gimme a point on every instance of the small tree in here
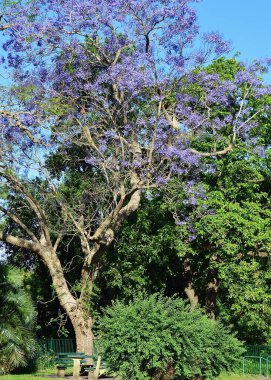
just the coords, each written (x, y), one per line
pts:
(17, 318)
(162, 338)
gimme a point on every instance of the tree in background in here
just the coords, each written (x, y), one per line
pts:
(218, 259)
(118, 82)
(217, 254)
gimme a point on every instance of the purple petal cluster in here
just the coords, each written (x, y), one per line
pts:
(123, 80)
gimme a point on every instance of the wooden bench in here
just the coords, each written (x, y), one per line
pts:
(63, 362)
(72, 359)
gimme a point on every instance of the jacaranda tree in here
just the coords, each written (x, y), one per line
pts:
(120, 85)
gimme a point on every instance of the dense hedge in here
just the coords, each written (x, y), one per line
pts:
(154, 337)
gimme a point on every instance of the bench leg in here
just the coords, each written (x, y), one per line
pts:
(61, 372)
(76, 369)
(93, 375)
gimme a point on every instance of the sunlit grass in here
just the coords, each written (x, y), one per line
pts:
(226, 376)
(22, 377)
(40, 375)
(232, 376)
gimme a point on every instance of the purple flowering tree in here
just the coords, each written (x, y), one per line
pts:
(124, 82)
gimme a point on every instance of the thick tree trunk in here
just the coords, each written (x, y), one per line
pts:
(83, 335)
(81, 320)
(82, 323)
(189, 289)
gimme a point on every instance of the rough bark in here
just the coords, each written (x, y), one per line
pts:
(82, 323)
(191, 295)
(189, 289)
(83, 334)
(18, 242)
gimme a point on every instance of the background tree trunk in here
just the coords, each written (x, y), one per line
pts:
(189, 289)
(211, 293)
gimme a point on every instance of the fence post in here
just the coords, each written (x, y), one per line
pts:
(51, 344)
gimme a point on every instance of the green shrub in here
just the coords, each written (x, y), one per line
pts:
(154, 337)
(45, 359)
(17, 319)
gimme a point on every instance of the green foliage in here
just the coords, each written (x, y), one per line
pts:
(17, 318)
(23, 377)
(232, 228)
(145, 257)
(154, 337)
(45, 359)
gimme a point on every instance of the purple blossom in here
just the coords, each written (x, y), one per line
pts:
(216, 40)
(91, 160)
(125, 80)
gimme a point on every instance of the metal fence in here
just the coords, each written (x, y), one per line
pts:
(256, 360)
(68, 345)
(258, 350)
(57, 345)
(256, 365)
(48, 348)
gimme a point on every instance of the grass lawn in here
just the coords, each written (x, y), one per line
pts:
(21, 377)
(232, 376)
(34, 376)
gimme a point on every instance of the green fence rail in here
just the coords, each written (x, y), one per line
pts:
(256, 365)
(57, 345)
(256, 360)
(258, 350)
(68, 345)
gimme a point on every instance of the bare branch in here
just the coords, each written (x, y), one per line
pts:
(4, 27)
(21, 126)
(170, 119)
(19, 242)
(229, 148)
(19, 223)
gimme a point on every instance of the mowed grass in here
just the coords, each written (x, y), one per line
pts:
(226, 376)
(34, 376)
(40, 375)
(232, 376)
(21, 377)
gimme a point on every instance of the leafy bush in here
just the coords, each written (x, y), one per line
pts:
(45, 359)
(17, 318)
(154, 337)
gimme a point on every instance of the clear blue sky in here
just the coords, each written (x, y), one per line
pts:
(247, 23)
